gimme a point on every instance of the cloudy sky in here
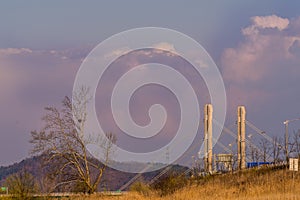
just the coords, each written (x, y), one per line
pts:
(255, 44)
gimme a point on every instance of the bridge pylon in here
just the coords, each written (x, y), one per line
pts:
(208, 110)
(241, 132)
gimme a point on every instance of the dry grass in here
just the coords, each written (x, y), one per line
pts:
(253, 184)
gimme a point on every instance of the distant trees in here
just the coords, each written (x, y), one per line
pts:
(265, 147)
(296, 143)
(63, 144)
(276, 148)
(21, 185)
(252, 152)
(267, 150)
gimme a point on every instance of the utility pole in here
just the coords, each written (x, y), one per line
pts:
(168, 155)
(231, 157)
(286, 143)
(286, 146)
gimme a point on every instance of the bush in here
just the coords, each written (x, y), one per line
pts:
(21, 185)
(141, 188)
(170, 184)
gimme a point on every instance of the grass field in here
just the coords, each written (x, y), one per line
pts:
(252, 184)
(264, 183)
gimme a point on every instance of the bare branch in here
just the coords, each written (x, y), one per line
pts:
(62, 141)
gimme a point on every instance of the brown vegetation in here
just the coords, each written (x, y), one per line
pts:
(251, 184)
(62, 141)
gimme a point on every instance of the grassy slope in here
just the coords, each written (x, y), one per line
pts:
(252, 184)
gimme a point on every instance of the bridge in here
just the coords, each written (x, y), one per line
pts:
(211, 160)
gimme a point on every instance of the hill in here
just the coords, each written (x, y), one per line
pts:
(257, 183)
(111, 180)
(254, 184)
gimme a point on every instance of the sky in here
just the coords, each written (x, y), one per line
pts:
(255, 44)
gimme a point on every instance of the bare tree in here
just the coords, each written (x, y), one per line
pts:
(265, 147)
(62, 141)
(252, 152)
(296, 143)
(277, 146)
(21, 185)
(257, 156)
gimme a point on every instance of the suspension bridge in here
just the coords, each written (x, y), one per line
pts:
(206, 151)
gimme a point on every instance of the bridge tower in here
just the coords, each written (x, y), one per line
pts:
(241, 132)
(208, 110)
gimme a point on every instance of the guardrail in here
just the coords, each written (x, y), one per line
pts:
(67, 194)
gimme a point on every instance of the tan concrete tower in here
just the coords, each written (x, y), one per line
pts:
(241, 132)
(208, 110)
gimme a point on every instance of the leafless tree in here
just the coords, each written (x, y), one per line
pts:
(296, 143)
(62, 141)
(265, 147)
(257, 155)
(21, 185)
(277, 147)
(252, 152)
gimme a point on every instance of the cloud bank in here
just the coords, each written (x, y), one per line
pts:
(263, 70)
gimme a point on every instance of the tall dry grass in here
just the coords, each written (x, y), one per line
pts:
(251, 184)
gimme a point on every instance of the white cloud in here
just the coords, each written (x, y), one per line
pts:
(117, 52)
(14, 51)
(253, 58)
(165, 46)
(263, 22)
(160, 47)
(64, 57)
(264, 63)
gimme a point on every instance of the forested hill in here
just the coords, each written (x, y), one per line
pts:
(112, 179)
